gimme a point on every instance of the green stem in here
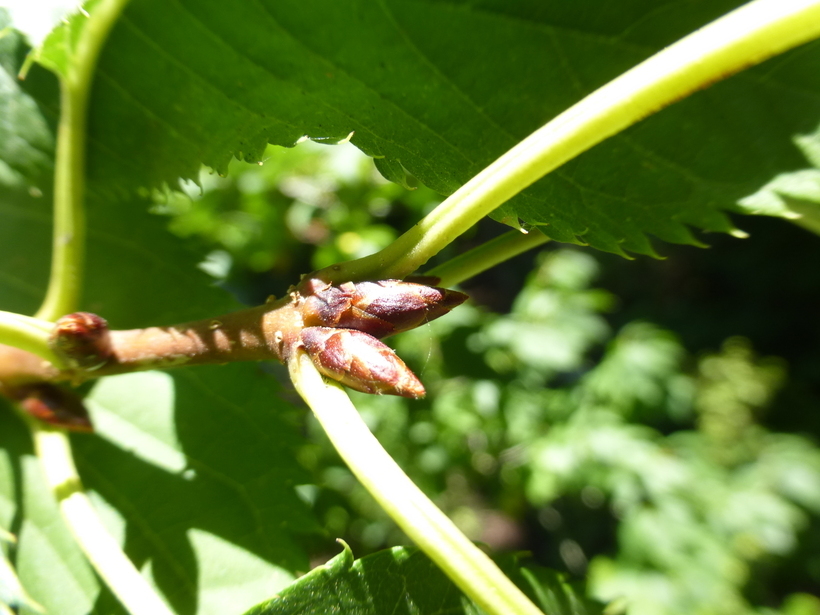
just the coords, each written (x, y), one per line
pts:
(466, 565)
(124, 580)
(68, 246)
(486, 256)
(745, 37)
(69, 214)
(27, 333)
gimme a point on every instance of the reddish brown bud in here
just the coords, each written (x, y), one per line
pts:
(52, 404)
(360, 361)
(379, 308)
(82, 340)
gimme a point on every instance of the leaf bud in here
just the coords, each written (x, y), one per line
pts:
(82, 340)
(52, 404)
(379, 308)
(360, 361)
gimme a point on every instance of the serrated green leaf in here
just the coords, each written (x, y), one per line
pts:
(442, 89)
(385, 582)
(57, 50)
(203, 464)
(404, 580)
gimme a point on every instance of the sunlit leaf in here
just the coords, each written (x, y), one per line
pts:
(405, 580)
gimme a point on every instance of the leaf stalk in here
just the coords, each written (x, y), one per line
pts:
(466, 565)
(68, 243)
(486, 256)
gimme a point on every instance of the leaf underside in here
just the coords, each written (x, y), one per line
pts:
(441, 89)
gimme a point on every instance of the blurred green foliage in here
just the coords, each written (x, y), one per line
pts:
(609, 451)
(301, 209)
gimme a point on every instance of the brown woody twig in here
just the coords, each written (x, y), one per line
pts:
(338, 325)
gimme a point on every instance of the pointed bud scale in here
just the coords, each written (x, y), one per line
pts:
(326, 304)
(360, 361)
(82, 340)
(379, 308)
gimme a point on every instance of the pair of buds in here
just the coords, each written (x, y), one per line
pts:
(341, 329)
(343, 326)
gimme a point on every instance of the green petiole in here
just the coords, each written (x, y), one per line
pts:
(486, 256)
(68, 245)
(466, 565)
